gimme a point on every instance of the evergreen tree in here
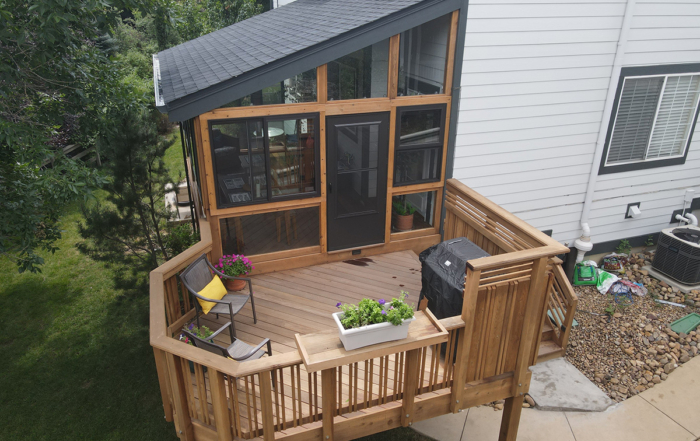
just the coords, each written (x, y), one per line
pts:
(130, 227)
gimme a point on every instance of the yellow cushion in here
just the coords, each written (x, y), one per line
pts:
(214, 290)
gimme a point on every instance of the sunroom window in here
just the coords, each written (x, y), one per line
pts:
(654, 120)
(361, 74)
(418, 151)
(423, 57)
(264, 159)
(300, 88)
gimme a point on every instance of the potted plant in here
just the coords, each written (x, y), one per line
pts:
(234, 265)
(202, 333)
(373, 321)
(403, 215)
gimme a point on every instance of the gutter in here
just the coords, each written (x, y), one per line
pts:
(584, 244)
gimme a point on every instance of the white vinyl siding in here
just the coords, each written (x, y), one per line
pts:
(533, 88)
(654, 117)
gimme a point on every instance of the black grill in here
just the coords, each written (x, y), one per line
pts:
(676, 258)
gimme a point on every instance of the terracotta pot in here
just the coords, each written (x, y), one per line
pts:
(234, 285)
(403, 223)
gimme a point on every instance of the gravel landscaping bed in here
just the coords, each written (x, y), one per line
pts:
(628, 349)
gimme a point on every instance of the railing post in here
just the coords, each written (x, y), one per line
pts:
(266, 406)
(220, 404)
(329, 401)
(531, 324)
(164, 382)
(409, 385)
(182, 413)
(464, 342)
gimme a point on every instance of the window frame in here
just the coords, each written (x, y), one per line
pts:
(648, 72)
(440, 145)
(266, 149)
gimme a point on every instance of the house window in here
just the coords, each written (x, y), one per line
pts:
(361, 74)
(300, 88)
(423, 57)
(418, 150)
(653, 119)
(265, 159)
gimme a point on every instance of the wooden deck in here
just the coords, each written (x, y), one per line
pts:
(301, 301)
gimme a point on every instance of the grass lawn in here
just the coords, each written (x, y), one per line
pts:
(173, 157)
(76, 359)
(76, 362)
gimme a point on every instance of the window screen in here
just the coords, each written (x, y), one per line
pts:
(654, 118)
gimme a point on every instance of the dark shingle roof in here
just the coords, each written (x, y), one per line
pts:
(208, 61)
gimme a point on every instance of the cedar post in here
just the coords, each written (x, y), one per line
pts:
(163, 380)
(459, 378)
(266, 406)
(220, 404)
(409, 385)
(535, 298)
(328, 397)
(182, 413)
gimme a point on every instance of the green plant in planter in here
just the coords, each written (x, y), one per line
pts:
(403, 208)
(371, 312)
(202, 333)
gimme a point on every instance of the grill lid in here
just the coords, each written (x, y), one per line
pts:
(687, 234)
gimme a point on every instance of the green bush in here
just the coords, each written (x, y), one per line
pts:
(180, 237)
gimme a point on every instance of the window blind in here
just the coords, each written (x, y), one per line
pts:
(675, 116)
(635, 118)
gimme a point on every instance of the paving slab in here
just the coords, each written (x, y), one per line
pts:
(483, 424)
(557, 385)
(443, 428)
(632, 420)
(679, 396)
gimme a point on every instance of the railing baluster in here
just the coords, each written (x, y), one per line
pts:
(255, 406)
(236, 407)
(283, 399)
(278, 425)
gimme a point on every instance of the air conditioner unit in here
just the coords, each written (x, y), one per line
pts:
(678, 254)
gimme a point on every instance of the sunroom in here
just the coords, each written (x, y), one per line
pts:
(309, 130)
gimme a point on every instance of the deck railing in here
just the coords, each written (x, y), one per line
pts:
(486, 357)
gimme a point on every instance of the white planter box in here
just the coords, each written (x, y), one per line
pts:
(370, 334)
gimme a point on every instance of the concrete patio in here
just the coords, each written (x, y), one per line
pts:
(668, 411)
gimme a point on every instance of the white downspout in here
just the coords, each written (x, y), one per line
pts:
(583, 244)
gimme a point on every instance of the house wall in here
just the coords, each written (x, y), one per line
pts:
(533, 88)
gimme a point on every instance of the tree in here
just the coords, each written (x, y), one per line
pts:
(57, 83)
(129, 227)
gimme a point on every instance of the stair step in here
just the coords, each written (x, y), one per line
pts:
(547, 331)
(548, 350)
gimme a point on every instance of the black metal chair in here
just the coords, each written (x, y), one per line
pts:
(198, 275)
(237, 350)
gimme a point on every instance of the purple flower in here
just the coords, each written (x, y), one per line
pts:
(381, 301)
(383, 312)
(191, 326)
(337, 305)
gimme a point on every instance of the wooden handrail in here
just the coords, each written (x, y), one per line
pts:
(490, 262)
(495, 210)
